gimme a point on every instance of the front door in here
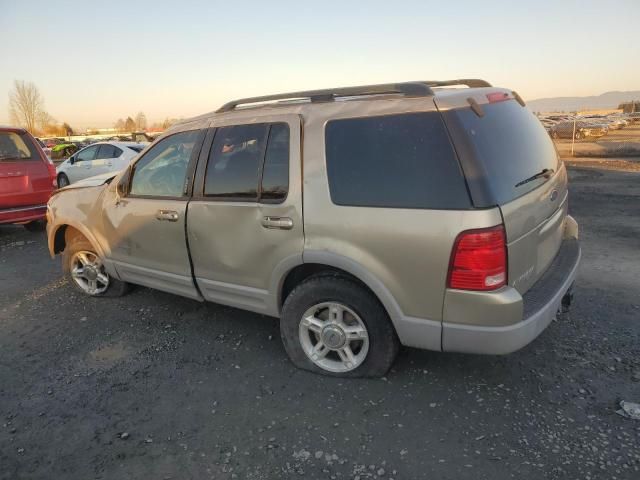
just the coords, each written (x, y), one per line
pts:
(245, 218)
(145, 230)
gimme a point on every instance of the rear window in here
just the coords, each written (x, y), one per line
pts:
(505, 146)
(15, 147)
(394, 161)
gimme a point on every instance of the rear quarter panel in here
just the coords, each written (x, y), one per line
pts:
(407, 250)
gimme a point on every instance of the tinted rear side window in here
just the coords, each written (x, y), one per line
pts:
(397, 161)
(234, 161)
(505, 146)
(15, 147)
(106, 151)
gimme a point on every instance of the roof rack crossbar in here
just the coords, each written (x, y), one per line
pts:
(469, 82)
(411, 89)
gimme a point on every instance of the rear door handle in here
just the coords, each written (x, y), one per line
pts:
(282, 223)
(167, 215)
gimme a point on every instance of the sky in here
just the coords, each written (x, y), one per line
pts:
(95, 62)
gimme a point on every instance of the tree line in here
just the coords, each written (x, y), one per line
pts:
(26, 109)
(139, 123)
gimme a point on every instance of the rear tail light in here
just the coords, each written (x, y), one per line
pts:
(52, 174)
(479, 260)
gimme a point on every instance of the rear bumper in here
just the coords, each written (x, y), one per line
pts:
(23, 214)
(539, 307)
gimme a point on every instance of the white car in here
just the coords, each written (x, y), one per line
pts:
(96, 159)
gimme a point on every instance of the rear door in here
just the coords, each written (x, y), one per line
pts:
(510, 161)
(245, 218)
(82, 167)
(104, 160)
(24, 176)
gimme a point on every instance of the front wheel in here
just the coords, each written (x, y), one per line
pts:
(87, 272)
(334, 326)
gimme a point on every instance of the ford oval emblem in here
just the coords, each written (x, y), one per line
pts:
(554, 195)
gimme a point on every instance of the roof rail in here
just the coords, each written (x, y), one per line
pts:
(469, 82)
(410, 89)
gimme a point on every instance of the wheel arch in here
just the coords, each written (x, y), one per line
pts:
(318, 263)
(60, 234)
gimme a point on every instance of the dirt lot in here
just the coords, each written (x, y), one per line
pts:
(157, 386)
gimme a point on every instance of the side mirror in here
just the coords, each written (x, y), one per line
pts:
(72, 159)
(123, 183)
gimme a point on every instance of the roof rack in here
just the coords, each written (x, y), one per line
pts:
(469, 82)
(410, 89)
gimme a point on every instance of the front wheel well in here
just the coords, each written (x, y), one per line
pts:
(63, 236)
(307, 270)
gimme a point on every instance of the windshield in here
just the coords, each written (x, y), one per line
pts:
(15, 147)
(499, 150)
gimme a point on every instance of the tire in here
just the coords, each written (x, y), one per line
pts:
(383, 344)
(36, 226)
(63, 180)
(76, 245)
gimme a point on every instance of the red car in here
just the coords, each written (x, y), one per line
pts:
(27, 179)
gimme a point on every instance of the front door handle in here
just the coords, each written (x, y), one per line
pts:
(167, 215)
(283, 223)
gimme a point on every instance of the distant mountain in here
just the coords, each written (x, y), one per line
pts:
(572, 104)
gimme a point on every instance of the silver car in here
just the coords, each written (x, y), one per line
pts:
(365, 218)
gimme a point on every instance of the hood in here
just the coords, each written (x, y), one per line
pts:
(92, 181)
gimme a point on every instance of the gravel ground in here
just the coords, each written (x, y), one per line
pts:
(156, 386)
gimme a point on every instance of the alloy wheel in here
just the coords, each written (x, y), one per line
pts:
(334, 337)
(88, 273)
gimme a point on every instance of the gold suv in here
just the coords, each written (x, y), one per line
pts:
(363, 217)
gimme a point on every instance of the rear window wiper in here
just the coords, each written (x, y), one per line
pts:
(545, 172)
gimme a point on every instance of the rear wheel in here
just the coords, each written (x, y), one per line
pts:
(86, 270)
(334, 326)
(63, 180)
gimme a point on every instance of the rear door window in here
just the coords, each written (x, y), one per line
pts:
(395, 161)
(234, 161)
(501, 149)
(15, 148)
(106, 151)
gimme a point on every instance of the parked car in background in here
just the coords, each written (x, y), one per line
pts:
(45, 149)
(634, 117)
(63, 150)
(52, 142)
(583, 129)
(433, 217)
(27, 179)
(96, 159)
(602, 120)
